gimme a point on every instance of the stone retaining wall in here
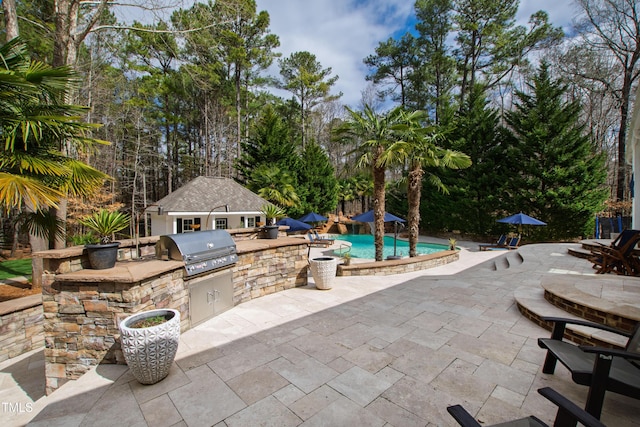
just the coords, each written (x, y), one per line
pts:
(575, 335)
(592, 314)
(398, 266)
(21, 326)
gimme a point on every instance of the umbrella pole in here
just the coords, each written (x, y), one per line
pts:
(395, 236)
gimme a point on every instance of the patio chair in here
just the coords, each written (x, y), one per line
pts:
(619, 256)
(322, 239)
(314, 241)
(500, 243)
(512, 243)
(568, 414)
(600, 369)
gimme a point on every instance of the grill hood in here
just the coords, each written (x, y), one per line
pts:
(201, 251)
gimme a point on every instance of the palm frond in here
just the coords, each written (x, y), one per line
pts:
(41, 223)
(83, 179)
(16, 190)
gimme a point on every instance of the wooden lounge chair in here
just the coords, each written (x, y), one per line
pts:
(568, 414)
(502, 240)
(600, 369)
(619, 256)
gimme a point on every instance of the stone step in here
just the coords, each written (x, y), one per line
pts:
(509, 260)
(533, 305)
(579, 253)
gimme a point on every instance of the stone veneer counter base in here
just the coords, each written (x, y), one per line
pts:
(83, 308)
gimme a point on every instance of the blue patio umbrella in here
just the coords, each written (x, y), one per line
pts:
(312, 217)
(294, 224)
(521, 219)
(369, 217)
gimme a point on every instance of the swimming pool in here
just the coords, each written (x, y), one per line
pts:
(362, 246)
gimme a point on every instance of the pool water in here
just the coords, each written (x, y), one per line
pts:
(362, 246)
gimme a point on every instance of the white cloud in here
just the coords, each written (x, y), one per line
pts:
(561, 12)
(341, 33)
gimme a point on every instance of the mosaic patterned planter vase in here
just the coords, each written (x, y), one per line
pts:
(149, 351)
(323, 270)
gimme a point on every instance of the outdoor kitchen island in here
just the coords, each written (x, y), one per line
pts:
(82, 307)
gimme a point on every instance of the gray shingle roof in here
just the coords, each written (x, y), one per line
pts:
(204, 193)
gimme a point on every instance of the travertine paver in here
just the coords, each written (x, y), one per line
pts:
(359, 385)
(375, 351)
(306, 375)
(343, 412)
(268, 412)
(370, 358)
(206, 399)
(257, 384)
(310, 404)
(160, 412)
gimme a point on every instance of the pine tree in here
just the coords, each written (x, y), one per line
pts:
(317, 182)
(269, 144)
(475, 193)
(558, 176)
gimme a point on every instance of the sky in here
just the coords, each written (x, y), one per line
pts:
(341, 33)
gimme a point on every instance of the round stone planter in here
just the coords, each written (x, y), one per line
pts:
(149, 352)
(323, 270)
(102, 256)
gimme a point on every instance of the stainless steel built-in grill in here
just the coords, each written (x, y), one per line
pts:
(201, 251)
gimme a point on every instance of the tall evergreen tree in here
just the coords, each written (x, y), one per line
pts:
(490, 45)
(475, 193)
(558, 177)
(392, 65)
(303, 76)
(317, 181)
(270, 145)
(433, 79)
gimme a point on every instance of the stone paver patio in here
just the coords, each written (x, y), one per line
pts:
(372, 351)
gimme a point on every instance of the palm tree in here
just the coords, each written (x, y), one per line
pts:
(274, 185)
(372, 134)
(418, 149)
(345, 193)
(34, 124)
(364, 189)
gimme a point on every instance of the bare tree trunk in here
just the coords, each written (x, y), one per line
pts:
(238, 116)
(615, 28)
(10, 19)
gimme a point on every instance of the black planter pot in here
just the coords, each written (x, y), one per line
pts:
(102, 256)
(271, 231)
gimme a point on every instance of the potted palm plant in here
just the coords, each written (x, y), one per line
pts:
(104, 253)
(272, 213)
(452, 244)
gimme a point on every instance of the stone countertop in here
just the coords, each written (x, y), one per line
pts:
(134, 271)
(72, 251)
